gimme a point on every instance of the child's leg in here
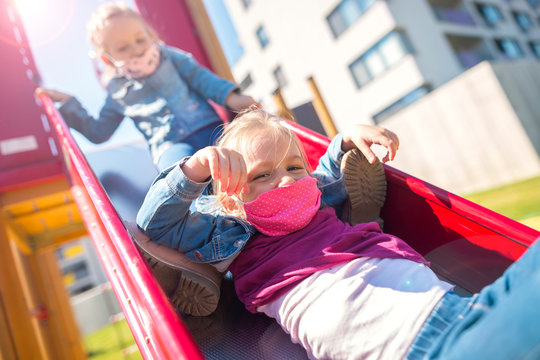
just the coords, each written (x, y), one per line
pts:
(504, 319)
(196, 141)
(174, 153)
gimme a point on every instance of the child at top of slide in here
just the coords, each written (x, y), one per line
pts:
(161, 88)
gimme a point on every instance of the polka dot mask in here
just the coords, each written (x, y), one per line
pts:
(286, 209)
(140, 66)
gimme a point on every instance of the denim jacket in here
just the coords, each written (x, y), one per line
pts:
(167, 106)
(208, 234)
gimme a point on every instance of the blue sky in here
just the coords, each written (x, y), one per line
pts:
(56, 30)
(226, 32)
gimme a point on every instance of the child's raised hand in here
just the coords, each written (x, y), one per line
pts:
(222, 164)
(239, 102)
(363, 136)
(55, 95)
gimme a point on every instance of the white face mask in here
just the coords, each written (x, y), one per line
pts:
(140, 66)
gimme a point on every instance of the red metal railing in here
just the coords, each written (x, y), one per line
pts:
(156, 327)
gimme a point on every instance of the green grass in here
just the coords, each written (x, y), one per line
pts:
(108, 343)
(519, 201)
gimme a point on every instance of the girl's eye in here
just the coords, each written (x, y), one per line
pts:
(295, 168)
(141, 40)
(122, 49)
(261, 176)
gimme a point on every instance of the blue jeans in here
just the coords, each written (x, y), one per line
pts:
(200, 139)
(501, 322)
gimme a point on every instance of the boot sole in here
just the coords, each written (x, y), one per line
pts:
(366, 186)
(193, 288)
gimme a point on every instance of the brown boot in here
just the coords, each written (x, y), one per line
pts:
(193, 288)
(366, 185)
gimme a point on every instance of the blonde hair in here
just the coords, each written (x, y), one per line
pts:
(100, 18)
(238, 135)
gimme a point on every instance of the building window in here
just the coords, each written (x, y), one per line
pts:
(346, 13)
(402, 103)
(491, 14)
(246, 82)
(281, 80)
(379, 58)
(535, 47)
(523, 20)
(262, 36)
(246, 3)
(510, 48)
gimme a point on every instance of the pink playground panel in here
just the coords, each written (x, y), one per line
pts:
(28, 149)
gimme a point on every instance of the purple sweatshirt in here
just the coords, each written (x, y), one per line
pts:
(269, 266)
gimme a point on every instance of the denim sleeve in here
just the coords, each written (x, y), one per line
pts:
(165, 216)
(199, 78)
(96, 130)
(329, 174)
(165, 208)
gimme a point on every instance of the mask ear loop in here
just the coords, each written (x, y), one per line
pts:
(99, 67)
(115, 63)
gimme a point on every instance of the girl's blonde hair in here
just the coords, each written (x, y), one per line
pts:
(238, 135)
(99, 19)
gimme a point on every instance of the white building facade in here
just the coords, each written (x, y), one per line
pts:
(372, 59)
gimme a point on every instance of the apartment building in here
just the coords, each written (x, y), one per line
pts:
(372, 59)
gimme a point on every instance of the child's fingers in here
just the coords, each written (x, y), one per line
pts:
(224, 165)
(392, 150)
(228, 167)
(213, 163)
(237, 173)
(241, 176)
(366, 150)
(234, 175)
(391, 142)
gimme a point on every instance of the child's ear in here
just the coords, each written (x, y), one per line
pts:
(153, 35)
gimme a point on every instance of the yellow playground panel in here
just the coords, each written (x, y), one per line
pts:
(36, 321)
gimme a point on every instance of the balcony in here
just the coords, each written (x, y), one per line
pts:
(451, 11)
(470, 58)
(469, 50)
(454, 16)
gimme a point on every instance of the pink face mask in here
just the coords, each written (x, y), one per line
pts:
(286, 209)
(140, 66)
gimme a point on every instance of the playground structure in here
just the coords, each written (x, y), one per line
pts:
(49, 195)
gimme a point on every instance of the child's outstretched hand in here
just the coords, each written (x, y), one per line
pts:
(238, 102)
(55, 95)
(363, 136)
(222, 164)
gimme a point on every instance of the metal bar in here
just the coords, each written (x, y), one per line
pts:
(322, 110)
(157, 328)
